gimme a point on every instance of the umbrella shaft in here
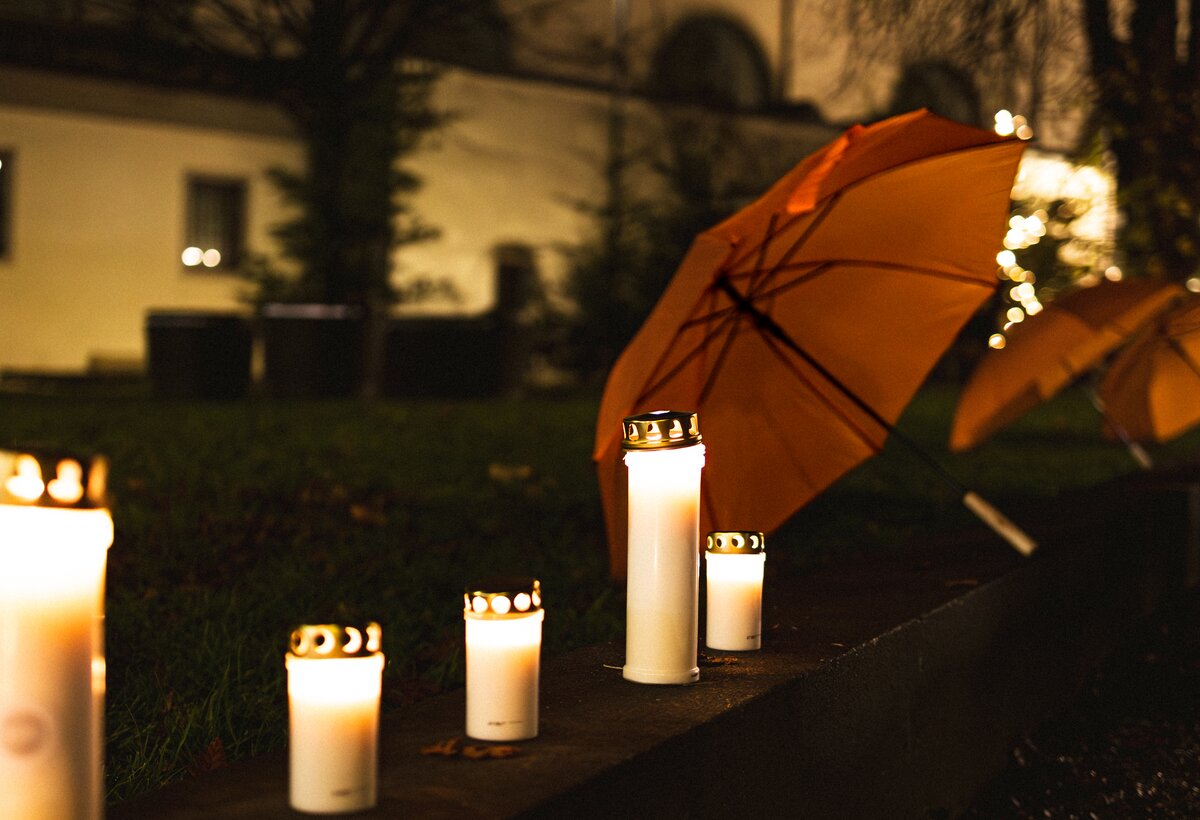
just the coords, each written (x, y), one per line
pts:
(766, 323)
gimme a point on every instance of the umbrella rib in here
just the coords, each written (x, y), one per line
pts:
(773, 344)
(825, 210)
(682, 363)
(871, 263)
(1182, 353)
(715, 370)
(771, 233)
(772, 328)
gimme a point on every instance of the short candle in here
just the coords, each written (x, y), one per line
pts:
(503, 619)
(664, 456)
(334, 680)
(734, 578)
(55, 531)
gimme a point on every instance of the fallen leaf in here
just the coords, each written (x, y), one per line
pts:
(475, 752)
(445, 748)
(717, 660)
(962, 582)
(211, 757)
(509, 473)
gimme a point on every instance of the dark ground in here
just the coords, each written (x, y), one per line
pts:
(1129, 746)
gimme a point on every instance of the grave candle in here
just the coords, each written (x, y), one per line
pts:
(664, 456)
(55, 531)
(334, 679)
(503, 643)
(734, 576)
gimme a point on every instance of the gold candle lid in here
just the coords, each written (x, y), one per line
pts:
(41, 477)
(501, 597)
(319, 641)
(661, 430)
(736, 542)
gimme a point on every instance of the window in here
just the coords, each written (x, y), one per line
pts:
(216, 223)
(713, 61)
(942, 88)
(7, 165)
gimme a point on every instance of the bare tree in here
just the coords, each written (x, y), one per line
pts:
(1136, 88)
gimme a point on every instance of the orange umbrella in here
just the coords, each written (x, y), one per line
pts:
(1152, 389)
(1048, 351)
(800, 327)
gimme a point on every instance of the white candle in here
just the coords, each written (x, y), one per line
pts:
(503, 646)
(54, 537)
(734, 576)
(334, 680)
(664, 456)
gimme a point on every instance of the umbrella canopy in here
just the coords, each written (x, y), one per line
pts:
(1048, 351)
(800, 327)
(1152, 389)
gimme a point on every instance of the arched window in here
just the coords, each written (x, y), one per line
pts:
(941, 87)
(713, 61)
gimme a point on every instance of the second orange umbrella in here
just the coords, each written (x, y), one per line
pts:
(1047, 352)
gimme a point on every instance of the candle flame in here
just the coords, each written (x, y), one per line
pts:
(27, 484)
(67, 486)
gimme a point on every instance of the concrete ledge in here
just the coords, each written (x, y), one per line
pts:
(890, 687)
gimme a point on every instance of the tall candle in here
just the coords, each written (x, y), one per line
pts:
(55, 531)
(334, 679)
(734, 579)
(503, 645)
(664, 456)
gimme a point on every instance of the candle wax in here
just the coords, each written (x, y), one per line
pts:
(503, 665)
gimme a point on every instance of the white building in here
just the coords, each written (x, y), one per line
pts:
(105, 184)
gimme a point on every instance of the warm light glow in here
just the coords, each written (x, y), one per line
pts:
(1033, 307)
(501, 605)
(192, 256)
(354, 640)
(1004, 122)
(734, 592)
(479, 603)
(27, 484)
(374, 637)
(1006, 259)
(522, 601)
(1193, 284)
(997, 341)
(1113, 274)
(67, 486)
(503, 663)
(211, 258)
(334, 681)
(1015, 314)
(739, 567)
(511, 630)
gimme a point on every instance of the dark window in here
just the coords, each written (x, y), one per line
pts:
(713, 61)
(216, 223)
(942, 88)
(7, 166)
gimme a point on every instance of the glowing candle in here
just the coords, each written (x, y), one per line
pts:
(504, 643)
(734, 563)
(55, 531)
(334, 679)
(664, 456)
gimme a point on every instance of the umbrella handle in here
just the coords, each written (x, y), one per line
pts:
(1140, 455)
(1000, 524)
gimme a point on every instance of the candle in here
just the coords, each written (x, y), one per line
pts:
(334, 679)
(664, 456)
(734, 563)
(55, 531)
(504, 641)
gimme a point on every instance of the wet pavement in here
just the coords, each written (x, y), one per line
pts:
(1130, 744)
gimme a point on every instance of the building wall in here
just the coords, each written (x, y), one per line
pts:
(98, 223)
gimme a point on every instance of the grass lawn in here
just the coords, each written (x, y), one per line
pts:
(237, 521)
